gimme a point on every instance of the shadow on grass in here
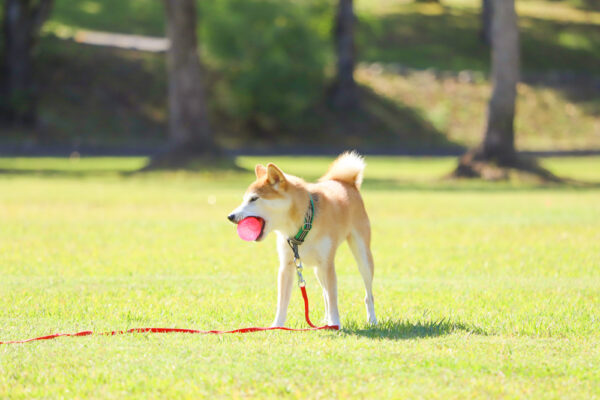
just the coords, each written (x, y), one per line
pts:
(447, 185)
(399, 330)
(58, 173)
(83, 174)
(111, 166)
(99, 97)
(377, 123)
(370, 184)
(190, 163)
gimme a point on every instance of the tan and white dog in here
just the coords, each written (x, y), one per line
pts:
(282, 200)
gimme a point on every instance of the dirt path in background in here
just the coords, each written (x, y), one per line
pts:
(122, 41)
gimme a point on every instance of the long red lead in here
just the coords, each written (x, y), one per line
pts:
(181, 330)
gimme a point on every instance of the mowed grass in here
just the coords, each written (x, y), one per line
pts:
(482, 290)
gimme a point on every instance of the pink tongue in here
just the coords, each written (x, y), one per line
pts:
(249, 228)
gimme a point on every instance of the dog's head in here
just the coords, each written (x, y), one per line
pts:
(268, 198)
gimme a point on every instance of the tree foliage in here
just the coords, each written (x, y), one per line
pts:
(271, 56)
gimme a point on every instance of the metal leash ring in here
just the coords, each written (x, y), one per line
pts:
(299, 268)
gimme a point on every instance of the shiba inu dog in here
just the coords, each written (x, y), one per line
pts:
(282, 203)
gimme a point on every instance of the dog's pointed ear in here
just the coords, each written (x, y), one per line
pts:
(275, 176)
(260, 170)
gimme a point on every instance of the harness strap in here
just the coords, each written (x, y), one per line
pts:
(306, 227)
(299, 239)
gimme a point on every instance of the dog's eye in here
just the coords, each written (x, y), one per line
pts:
(253, 198)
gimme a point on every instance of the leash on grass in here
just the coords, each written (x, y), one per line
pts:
(301, 284)
(293, 242)
(180, 330)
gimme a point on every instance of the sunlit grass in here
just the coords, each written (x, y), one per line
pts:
(564, 11)
(482, 290)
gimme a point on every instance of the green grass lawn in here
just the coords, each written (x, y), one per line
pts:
(483, 290)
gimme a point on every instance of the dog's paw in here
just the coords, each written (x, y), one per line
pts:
(372, 320)
(332, 322)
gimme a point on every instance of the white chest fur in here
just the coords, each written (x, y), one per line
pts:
(313, 252)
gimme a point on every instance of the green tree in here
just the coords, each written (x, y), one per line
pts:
(270, 56)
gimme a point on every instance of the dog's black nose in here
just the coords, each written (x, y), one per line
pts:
(231, 217)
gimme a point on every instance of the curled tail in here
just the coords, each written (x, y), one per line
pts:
(348, 167)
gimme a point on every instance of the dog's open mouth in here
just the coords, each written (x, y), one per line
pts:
(251, 228)
(262, 228)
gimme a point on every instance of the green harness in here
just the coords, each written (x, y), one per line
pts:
(305, 228)
(299, 239)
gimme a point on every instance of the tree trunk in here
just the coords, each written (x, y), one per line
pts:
(499, 141)
(22, 22)
(486, 21)
(189, 129)
(497, 154)
(345, 93)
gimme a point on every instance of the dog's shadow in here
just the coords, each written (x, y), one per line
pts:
(405, 329)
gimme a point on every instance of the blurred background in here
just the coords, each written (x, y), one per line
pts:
(289, 76)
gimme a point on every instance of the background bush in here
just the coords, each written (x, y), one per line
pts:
(271, 57)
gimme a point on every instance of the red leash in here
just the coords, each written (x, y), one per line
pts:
(301, 283)
(178, 330)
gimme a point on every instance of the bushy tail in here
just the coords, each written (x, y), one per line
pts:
(348, 167)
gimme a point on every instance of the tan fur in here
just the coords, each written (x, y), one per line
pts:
(348, 167)
(340, 215)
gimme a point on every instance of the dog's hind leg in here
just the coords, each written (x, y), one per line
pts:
(359, 242)
(325, 300)
(328, 279)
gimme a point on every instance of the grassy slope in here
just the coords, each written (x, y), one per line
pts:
(549, 118)
(100, 96)
(483, 290)
(557, 35)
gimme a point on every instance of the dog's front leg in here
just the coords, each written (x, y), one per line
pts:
(285, 282)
